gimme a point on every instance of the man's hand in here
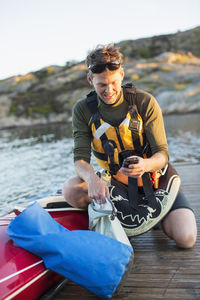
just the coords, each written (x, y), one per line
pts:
(155, 162)
(135, 170)
(97, 189)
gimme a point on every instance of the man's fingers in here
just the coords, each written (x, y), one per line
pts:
(99, 198)
(132, 172)
(99, 192)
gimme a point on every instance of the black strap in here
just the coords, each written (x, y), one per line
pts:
(148, 190)
(109, 148)
(129, 93)
(133, 193)
(101, 156)
(92, 102)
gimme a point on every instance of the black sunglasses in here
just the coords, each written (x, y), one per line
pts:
(99, 68)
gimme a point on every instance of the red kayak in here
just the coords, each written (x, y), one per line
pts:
(22, 274)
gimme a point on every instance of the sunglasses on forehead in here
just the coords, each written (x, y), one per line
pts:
(99, 68)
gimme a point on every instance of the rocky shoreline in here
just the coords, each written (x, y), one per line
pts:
(47, 96)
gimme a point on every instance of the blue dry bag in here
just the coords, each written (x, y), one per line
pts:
(90, 259)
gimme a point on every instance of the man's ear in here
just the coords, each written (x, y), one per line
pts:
(122, 73)
(89, 79)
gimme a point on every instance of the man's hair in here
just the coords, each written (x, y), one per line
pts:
(102, 54)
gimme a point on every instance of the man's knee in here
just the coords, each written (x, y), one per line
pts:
(183, 238)
(180, 225)
(186, 240)
(75, 192)
(67, 191)
(68, 188)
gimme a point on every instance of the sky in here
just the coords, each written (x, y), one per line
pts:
(39, 33)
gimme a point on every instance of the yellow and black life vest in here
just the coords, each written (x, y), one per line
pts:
(111, 144)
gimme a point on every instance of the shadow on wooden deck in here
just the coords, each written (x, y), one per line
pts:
(161, 270)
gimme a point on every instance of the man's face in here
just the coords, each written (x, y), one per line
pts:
(107, 84)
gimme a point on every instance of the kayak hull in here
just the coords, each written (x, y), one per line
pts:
(22, 274)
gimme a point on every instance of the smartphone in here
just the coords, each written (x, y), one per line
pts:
(129, 161)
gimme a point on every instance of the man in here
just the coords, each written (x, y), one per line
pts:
(109, 107)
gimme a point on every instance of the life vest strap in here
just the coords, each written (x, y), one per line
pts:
(148, 190)
(133, 192)
(109, 148)
(92, 102)
(101, 156)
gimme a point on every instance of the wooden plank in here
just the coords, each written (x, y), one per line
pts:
(161, 270)
(158, 293)
(164, 280)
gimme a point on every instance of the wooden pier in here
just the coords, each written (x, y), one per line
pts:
(161, 270)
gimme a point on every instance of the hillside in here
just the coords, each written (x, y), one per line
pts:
(167, 66)
(186, 41)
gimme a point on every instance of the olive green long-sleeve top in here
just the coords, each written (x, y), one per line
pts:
(114, 114)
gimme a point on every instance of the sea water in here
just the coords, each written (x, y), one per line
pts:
(35, 161)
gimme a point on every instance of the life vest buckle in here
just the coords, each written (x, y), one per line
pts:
(134, 125)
